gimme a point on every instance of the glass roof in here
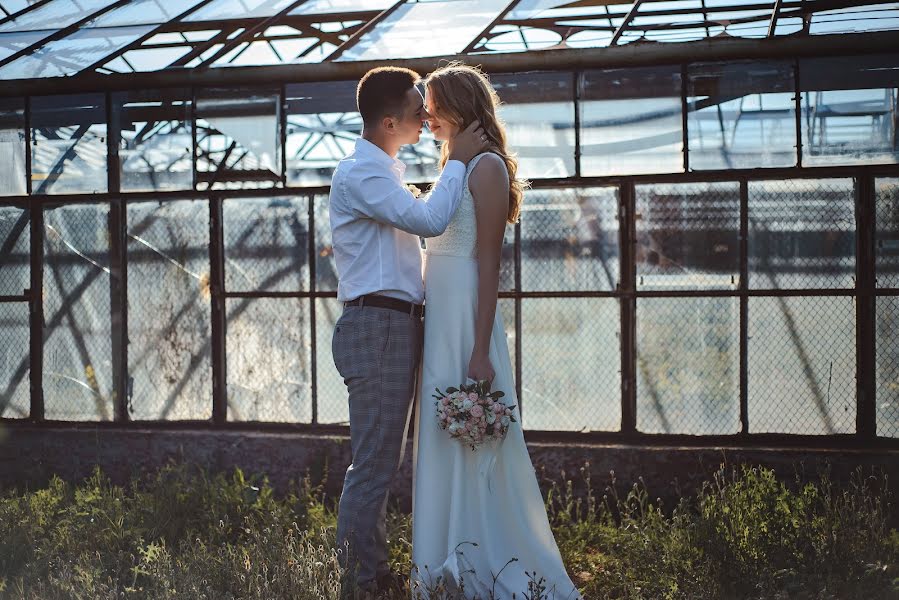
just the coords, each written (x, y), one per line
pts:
(50, 38)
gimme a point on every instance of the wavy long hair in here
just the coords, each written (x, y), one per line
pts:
(463, 94)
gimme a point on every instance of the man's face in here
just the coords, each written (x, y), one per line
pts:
(408, 126)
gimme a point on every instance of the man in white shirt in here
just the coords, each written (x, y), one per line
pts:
(376, 223)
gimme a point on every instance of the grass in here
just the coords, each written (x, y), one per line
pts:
(185, 533)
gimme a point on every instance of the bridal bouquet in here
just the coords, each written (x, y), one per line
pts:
(473, 414)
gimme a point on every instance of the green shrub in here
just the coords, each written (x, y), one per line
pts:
(183, 533)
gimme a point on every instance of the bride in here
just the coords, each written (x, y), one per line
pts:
(479, 523)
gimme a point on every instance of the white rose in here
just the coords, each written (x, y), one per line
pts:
(491, 418)
(505, 421)
(467, 404)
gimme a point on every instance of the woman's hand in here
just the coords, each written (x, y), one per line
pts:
(479, 368)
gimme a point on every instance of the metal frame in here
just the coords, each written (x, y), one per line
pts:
(627, 292)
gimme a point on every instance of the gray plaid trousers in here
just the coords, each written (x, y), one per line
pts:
(377, 352)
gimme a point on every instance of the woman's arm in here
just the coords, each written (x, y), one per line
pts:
(489, 185)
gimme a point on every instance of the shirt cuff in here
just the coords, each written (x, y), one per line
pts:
(454, 168)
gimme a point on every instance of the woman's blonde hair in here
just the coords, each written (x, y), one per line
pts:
(463, 94)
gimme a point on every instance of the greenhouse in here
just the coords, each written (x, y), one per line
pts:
(709, 248)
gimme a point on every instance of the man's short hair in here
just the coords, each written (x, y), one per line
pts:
(382, 92)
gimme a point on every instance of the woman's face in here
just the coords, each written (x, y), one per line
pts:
(442, 129)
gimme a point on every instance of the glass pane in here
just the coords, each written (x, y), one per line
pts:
(333, 406)
(12, 147)
(569, 240)
(416, 29)
(218, 10)
(688, 236)
(887, 234)
(855, 19)
(322, 128)
(68, 149)
(10, 43)
(269, 360)
(59, 13)
(888, 366)
(266, 244)
(327, 7)
(849, 110)
(741, 116)
(77, 329)
(169, 314)
(325, 266)
(802, 365)
(15, 251)
(538, 111)
(143, 12)
(801, 234)
(15, 362)
(688, 365)
(631, 122)
(238, 139)
(73, 53)
(571, 364)
(156, 141)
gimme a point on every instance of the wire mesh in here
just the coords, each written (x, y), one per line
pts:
(688, 236)
(325, 265)
(15, 371)
(169, 311)
(569, 240)
(331, 392)
(266, 244)
(15, 250)
(802, 365)
(688, 365)
(268, 351)
(886, 238)
(887, 353)
(77, 376)
(802, 234)
(571, 376)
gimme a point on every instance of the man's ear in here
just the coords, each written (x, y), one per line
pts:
(389, 125)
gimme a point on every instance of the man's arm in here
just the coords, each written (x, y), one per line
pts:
(381, 198)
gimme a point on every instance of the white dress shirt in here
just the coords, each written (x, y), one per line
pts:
(376, 221)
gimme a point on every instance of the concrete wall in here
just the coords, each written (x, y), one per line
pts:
(29, 455)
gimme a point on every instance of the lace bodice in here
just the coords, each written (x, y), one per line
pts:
(461, 235)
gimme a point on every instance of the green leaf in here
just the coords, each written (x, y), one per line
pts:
(451, 390)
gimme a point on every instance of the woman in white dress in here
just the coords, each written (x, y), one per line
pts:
(474, 511)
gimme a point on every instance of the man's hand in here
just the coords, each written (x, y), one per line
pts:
(479, 368)
(467, 143)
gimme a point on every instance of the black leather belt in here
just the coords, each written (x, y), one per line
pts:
(413, 310)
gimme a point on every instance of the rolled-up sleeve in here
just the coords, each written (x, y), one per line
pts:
(382, 198)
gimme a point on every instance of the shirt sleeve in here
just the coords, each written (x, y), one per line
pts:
(380, 197)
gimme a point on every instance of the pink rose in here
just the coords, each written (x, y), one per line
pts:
(444, 401)
(473, 397)
(498, 408)
(477, 411)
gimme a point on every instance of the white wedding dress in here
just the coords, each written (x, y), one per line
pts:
(473, 511)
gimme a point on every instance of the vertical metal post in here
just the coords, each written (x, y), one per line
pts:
(518, 332)
(36, 311)
(577, 78)
(865, 306)
(744, 307)
(627, 239)
(219, 322)
(797, 107)
(684, 107)
(312, 302)
(282, 135)
(118, 286)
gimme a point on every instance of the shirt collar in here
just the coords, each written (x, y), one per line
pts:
(375, 153)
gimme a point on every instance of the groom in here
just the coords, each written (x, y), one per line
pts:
(375, 224)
